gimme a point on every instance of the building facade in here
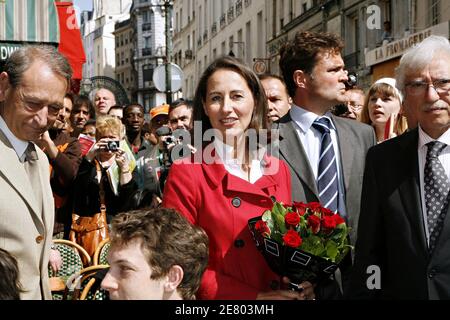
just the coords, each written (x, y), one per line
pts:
(124, 71)
(148, 21)
(97, 29)
(205, 30)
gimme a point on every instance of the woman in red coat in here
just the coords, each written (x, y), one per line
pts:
(224, 186)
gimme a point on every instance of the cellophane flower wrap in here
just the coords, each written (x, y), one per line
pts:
(305, 242)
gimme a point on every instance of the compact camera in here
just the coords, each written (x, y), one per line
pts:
(113, 145)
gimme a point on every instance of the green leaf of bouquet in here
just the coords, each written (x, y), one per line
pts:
(313, 245)
(332, 250)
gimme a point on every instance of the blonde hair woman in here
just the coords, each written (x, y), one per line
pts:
(94, 170)
(382, 109)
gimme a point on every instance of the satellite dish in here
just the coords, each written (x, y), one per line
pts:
(159, 77)
(90, 86)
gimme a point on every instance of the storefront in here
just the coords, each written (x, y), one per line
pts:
(49, 22)
(383, 60)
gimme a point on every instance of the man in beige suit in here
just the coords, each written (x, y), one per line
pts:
(32, 90)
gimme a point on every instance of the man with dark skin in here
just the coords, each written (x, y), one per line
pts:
(143, 150)
(133, 119)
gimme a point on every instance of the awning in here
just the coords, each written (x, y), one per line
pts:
(28, 21)
(71, 45)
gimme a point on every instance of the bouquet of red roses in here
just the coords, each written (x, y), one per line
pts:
(305, 242)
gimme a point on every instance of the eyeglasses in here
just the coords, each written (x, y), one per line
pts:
(416, 88)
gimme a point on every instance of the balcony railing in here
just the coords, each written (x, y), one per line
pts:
(223, 21)
(188, 54)
(146, 26)
(230, 15)
(146, 52)
(238, 8)
(214, 29)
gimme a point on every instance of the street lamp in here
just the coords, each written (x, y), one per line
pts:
(167, 6)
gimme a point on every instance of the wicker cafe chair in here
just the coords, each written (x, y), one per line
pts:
(71, 255)
(85, 286)
(101, 253)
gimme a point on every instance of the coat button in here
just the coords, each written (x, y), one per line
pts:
(39, 239)
(273, 198)
(239, 243)
(432, 273)
(236, 202)
(274, 285)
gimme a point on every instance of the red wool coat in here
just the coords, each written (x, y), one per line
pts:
(222, 204)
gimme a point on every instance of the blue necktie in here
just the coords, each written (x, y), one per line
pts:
(327, 179)
(437, 188)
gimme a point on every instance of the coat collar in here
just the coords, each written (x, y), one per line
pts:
(14, 173)
(410, 188)
(294, 154)
(346, 152)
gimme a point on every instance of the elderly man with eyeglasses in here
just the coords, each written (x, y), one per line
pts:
(403, 246)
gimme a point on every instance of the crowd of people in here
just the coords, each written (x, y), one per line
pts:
(177, 209)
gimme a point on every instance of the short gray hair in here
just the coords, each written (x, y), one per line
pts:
(419, 56)
(21, 59)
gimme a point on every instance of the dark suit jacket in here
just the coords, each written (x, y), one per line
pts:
(391, 231)
(354, 139)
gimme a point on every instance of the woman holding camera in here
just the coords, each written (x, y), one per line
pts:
(93, 174)
(224, 185)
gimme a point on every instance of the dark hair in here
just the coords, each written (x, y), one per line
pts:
(131, 105)
(22, 59)
(301, 54)
(71, 97)
(181, 102)
(81, 101)
(258, 120)
(266, 76)
(168, 239)
(115, 107)
(10, 287)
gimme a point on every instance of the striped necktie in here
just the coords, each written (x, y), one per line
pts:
(327, 179)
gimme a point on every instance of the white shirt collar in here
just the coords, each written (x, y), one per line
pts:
(19, 145)
(304, 118)
(424, 138)
(232, 165)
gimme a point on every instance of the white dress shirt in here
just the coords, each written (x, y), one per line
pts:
(310, 139)
(233, 166)
(19, 146)
(444, 158)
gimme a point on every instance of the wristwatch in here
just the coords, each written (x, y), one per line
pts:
(53, 247)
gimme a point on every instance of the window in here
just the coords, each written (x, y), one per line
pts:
(147, 42)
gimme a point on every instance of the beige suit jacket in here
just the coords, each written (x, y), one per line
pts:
(26, 218)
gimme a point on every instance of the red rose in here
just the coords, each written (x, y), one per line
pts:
(328, 223)
(338, 219)
(300, 207)
(315, 206)
(292, 239)
(314, 223)
(327, 212)
(292, 219)
(262, 228)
